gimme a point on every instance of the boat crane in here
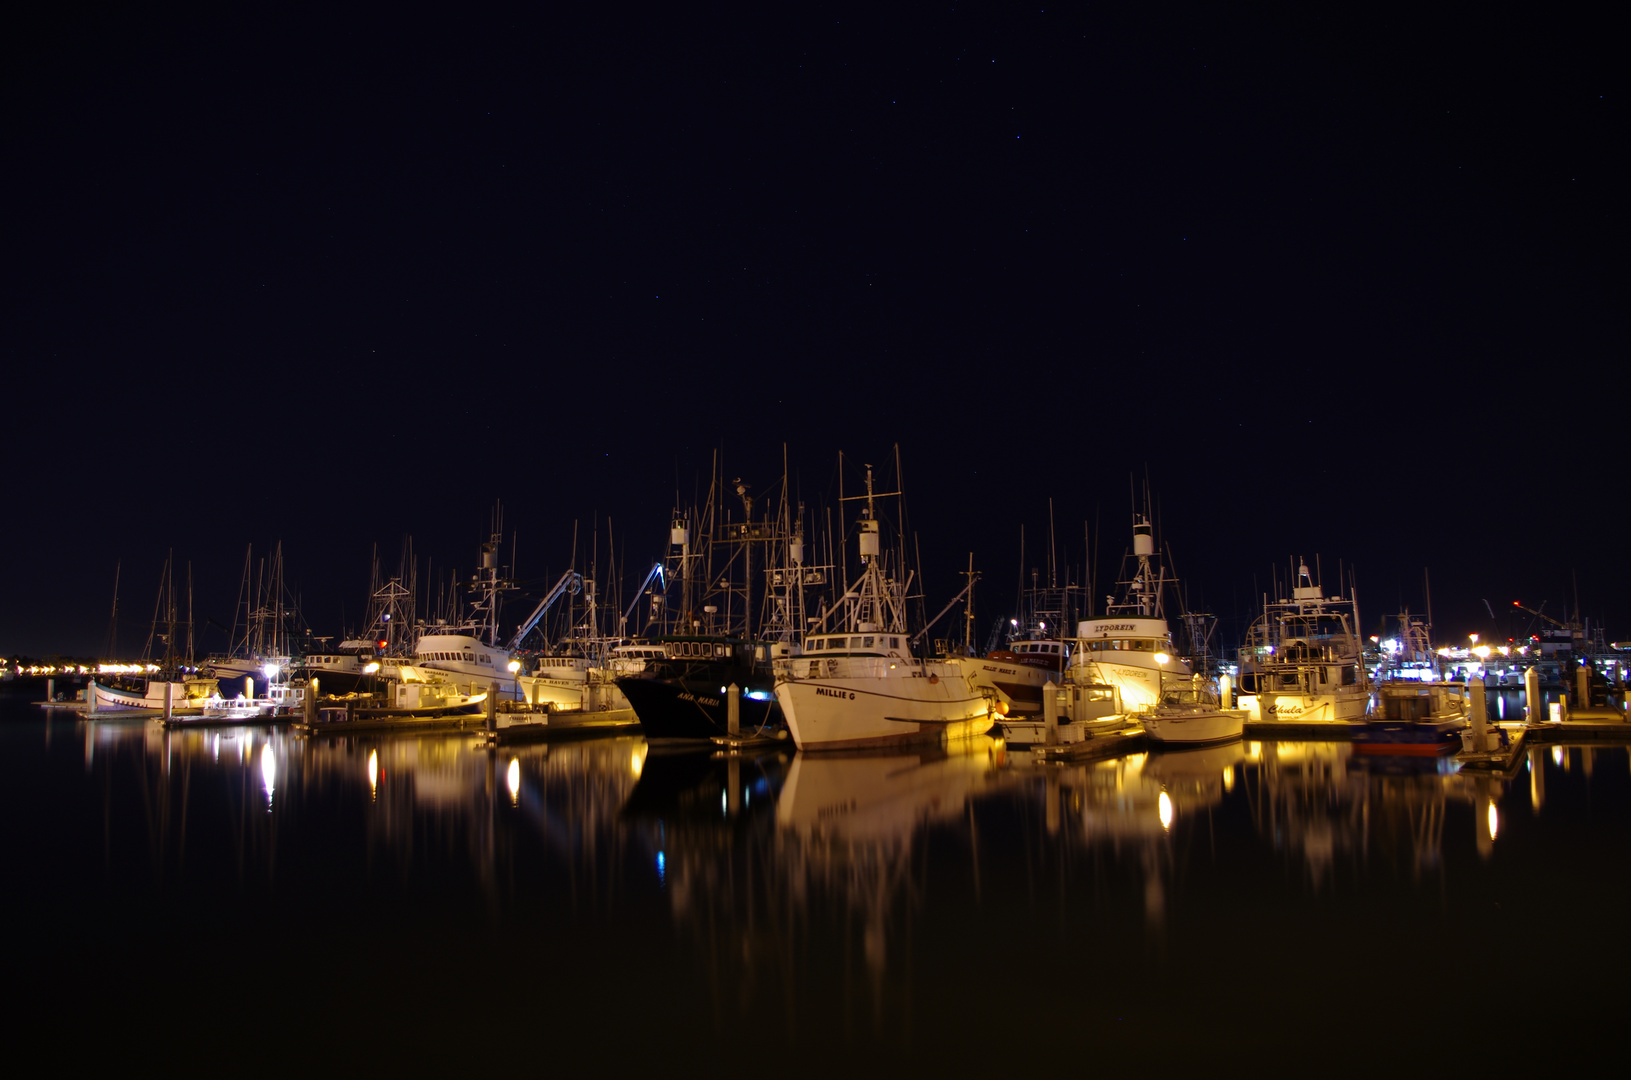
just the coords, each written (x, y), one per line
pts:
(655, 575)
(571, 582)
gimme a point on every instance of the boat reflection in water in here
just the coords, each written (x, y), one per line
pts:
(926, 909)
(791, 874)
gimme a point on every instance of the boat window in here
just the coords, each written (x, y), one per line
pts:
(894, 643)
(867, 643)
(719, 650)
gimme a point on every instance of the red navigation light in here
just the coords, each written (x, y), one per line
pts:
(382, 644)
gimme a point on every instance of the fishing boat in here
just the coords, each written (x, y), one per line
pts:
(1016, 674)
(856, 682)
(186, 695)
(739, 604)
(469, 653)
(1125, 670)
(1302, 659)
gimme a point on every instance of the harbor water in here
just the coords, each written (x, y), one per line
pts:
(248, 898)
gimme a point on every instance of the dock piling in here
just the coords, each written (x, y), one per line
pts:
(1531, 697)
(733, 710)
(50, 689)
(1480, 714)
(1050, 713)
(1226, 691)
(490, 708)
(169, 702)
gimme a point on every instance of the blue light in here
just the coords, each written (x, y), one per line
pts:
(661, 864)
(760, 695)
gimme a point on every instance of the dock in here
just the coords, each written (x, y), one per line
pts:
(1112, 742)
(535, 725)
(1578, 729)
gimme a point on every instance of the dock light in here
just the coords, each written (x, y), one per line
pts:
(1473, 638)
(514, 666)
(1482, 652)
(371, 668)
(270, 670)
(1164, 807)
(1161, 658)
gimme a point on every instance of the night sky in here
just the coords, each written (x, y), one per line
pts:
(1334, 278)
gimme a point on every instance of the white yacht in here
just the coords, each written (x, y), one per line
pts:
(858, 684)
(1302, 659)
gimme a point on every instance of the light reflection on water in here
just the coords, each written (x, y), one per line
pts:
(840, 901)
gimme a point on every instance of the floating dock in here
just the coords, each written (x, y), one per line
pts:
(1111, 742)
(539, 724)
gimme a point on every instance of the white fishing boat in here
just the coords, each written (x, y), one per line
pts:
(857, 684)
(469, 654)
(1125, 670)
(185, 695)
(1302, 660)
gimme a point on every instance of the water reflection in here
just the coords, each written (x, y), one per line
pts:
(823, 894)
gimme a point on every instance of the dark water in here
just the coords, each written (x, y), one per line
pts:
(245, 898)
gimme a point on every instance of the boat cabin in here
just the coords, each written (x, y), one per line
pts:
(874, 644)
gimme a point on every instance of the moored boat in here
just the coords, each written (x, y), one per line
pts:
(1191, 717)
(858, 684)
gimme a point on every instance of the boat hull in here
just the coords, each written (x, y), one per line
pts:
(1424, 739)
(1306, 708)
(694, 709)
(1195, 729)
(1017, 686)
(894, 705)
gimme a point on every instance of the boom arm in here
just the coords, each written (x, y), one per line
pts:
(655, 575)
(917, 637)
(571, 581)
